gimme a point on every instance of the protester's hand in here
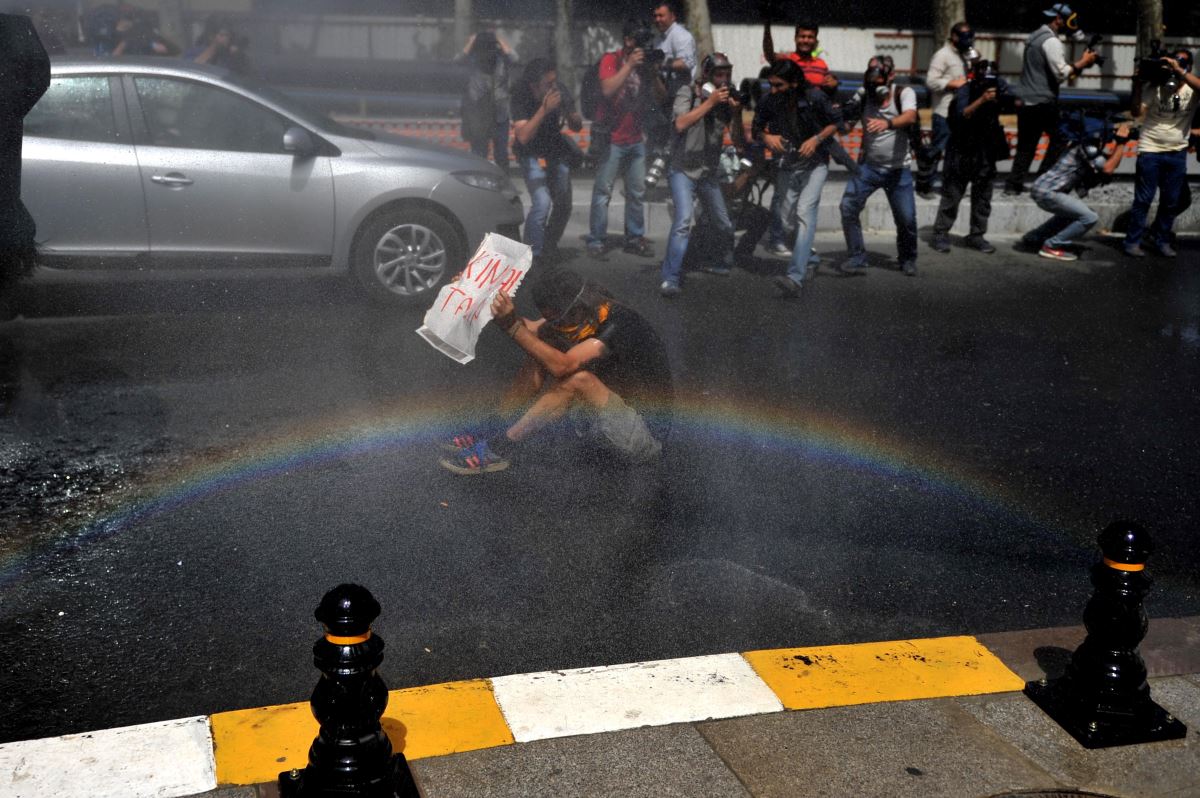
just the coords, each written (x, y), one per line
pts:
(504, 313)
(809, 147)
(1174, 64)
(733, 102)
(774, 143)
(456, 277)
(719, 96)
(876, 125)
(636, 58)
(989, 96)
(1087, 59)
(552, 100)
(1122, 130)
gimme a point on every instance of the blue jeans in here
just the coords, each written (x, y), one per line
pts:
(937, 148)
(549, 187)
(628, 160)
(898, 184)
(1165, 172)
(684, 191)
(804, 200)
(1072, 218)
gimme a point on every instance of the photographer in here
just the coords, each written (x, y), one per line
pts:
(1082, 165)
(219, 46)
(886, 162)
(977, 141)
(629, 81)
(1043, 70)
(485, 102)
(676, 43)
(794, 122)
(1162, 147)
(541, 106)
(947, 74)
(702, 111)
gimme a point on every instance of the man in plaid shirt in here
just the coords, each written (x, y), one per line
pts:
(1053, 192)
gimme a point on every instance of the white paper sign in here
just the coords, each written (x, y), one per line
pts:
(462, 308)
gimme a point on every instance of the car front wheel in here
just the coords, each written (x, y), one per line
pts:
(405, 254)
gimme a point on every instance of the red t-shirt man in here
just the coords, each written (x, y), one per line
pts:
(815, 69)
(621, 113)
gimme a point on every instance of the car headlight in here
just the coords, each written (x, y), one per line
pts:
(486, 181)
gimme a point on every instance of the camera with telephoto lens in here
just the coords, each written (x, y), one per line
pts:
(644, 40)
(1154, 70)
(754, 153)
(658, 167)
(1094, 41)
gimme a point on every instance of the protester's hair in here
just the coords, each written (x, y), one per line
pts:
(786, 69)
(214, 24)
(634, 25)
(806, 24)
(535, 70)
(671, 5)
(561, 294)
(959, 27)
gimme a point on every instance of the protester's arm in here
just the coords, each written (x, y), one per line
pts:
(1191, 80)
(971, 109)
(558, 364)
(613, 78)
(907, 100)
(685, 118)
(1119, 142)
(768, 43)
(526, 129)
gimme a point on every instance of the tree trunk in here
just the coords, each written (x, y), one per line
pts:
(945, 14)
(699, 22)
(1150, 24)
(462, 23)
(563, 50)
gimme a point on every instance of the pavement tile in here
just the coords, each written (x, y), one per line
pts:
(659, 762)
(1157, 769)
(924, 748)
(1171, 648)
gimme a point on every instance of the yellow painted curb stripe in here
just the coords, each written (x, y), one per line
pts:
(253, 745)
(865, 673)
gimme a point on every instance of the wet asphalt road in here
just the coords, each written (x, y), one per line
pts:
(187, 468)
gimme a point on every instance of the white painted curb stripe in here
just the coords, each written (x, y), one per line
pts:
(154, 760)
(538, 706)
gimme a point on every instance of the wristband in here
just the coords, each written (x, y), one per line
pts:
(515, 327)
(889, 124)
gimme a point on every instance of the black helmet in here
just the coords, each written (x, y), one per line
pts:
(712, 63)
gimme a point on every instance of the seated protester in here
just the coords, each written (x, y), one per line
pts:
(588, 352)
(816, 71)
(1167, 112)
(796, 121)
(540, 107)
(976, 142)
(701, 117)
(886, 162)
(1081, 164)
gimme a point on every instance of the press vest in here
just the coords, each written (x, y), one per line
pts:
(1039, 82)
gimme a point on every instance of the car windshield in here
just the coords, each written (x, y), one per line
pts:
(298, 109)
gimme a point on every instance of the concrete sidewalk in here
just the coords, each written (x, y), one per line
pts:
(950, 747)
(1011, 216)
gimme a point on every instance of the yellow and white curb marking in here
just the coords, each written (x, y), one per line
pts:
(194, 755)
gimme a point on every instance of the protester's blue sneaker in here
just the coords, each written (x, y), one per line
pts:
(463, 440)
(478, 459)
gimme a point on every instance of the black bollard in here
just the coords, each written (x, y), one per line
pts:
(351, 756)
(1103, 699)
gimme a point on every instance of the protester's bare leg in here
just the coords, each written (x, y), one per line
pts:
(582, 386)
(525, 385)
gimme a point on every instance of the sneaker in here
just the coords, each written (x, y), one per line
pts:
(779, 250)
(595, 249)
(459, 442)
(1056, 253)
(786, 286)
(669, 289)
(909, 267)
(852, 269)
(478, 459)
(722, 271)
(940, 243)
(1135, 251)
(640, 247)
(980, 243)
(1013, 191)
(1166, 250)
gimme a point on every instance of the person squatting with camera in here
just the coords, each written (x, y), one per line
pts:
(947, 74)
(794, 121)
(1043, 69)
(702, 111)
(540, 107)
(885, 161)
(976, 143)
(589, 356)
(631, 85)
(1165, 97)
(1081, 166)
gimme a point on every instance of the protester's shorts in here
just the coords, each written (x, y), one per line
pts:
(623, 429)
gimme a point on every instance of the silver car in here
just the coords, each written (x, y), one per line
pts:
(160, 165)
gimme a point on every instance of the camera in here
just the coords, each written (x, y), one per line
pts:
(1094, 41)
(658, 167)
(644, 40)
(985, 75)
(1154, 70)
(754, 153)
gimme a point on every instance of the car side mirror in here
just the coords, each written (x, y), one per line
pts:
(298, 141)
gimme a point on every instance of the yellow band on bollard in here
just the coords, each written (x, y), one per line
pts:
(348, 641)
(1120, 566)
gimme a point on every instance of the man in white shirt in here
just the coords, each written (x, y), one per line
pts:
(1044, 68)
(947, 74)
(1167, 107)
(674, 40)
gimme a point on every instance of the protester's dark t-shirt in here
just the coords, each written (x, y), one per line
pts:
(548, 141)
(797, 116)
(635, 366)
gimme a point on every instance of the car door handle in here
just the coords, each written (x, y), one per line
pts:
(172, 179)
